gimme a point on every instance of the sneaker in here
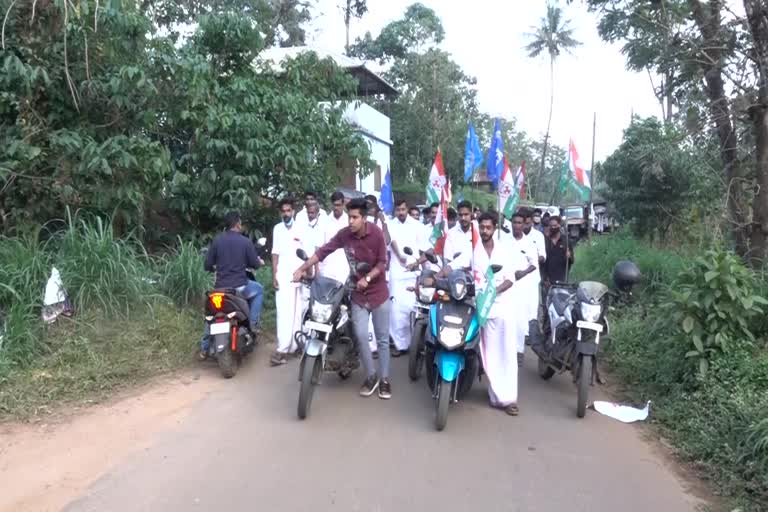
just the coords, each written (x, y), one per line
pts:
(512, 410)
(370, 386)
(375, 355)
(277, 359)
(395, 352)
(385, 389)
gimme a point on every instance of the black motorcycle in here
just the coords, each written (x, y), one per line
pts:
(227, 314)
(425, 296)
(327, 337)
(576, 318)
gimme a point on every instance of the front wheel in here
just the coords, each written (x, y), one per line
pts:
(226, 358)
(416, 353)
(309, 373)
(585, 378)
(443, 401)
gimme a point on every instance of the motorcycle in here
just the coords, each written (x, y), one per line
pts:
(326, 337)
(576, 319)
(227, 314)
(452, 358)
(425, 296)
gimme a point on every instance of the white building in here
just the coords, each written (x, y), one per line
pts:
(372, 125)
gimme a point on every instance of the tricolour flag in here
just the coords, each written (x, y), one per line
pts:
(578, 175)
(438, 181)
(483, 281)
(520, 180)
(508, 197)
(473, 155)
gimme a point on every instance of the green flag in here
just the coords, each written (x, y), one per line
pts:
(485, 299)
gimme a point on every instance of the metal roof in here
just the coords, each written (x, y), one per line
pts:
(369, 82)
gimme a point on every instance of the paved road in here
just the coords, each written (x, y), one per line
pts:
(243, 449)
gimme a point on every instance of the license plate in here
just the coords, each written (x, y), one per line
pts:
(581, 324)
(317, 326)
(220, 328)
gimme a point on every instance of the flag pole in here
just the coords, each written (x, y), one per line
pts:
(591, 179)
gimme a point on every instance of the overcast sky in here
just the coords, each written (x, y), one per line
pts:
(486, 37)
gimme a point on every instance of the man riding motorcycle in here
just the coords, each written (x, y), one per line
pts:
(229, 256)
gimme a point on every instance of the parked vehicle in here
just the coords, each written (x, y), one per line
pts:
(327, 336)
(576, 221)
(227, 315)
(452, 358)
(576, 318)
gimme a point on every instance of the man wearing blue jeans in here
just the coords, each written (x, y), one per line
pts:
(230, 255)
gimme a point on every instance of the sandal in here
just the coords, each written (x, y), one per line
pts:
(512, 410)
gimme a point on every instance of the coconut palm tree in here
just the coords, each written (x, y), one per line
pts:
(553, 36)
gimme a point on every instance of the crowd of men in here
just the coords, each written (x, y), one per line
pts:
(531, 249)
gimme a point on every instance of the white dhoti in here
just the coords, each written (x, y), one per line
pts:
(526, 306)
(403, 302)
(498, 349)
(289, 304)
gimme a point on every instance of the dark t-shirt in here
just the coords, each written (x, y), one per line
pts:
(230, 254)
(554, 266)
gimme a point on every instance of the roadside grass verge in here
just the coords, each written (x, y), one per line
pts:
(717, 422)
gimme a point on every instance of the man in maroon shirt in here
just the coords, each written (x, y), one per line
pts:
(364, 243)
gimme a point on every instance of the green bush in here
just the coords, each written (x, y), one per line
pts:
(182, 276)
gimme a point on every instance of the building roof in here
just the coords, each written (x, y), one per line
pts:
(369, 83)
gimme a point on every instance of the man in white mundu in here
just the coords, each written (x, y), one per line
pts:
(335, 266)
(404, 232)
(287, 237)
(500, 332)
(526, 289)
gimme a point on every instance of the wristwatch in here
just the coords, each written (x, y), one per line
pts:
(367, 279)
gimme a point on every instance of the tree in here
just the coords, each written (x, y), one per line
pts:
(553, 36)
(353, 9)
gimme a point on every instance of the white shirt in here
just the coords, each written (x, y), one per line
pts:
(336, 265)
(406, 234)
(537, 237)
(285, 242)
(458, 240)
(302, 217)
(510, 260)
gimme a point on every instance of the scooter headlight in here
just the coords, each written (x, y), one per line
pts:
(591, 312)
(458, 289)
(426, 294)
(322, 312)
(451, 337)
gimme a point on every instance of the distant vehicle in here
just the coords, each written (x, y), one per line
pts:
(545, 208)
(576, 219)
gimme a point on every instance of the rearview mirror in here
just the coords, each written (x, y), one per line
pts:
(363, 268)
(408, 251)
(496, 268)
(302, 254)
(431, 257)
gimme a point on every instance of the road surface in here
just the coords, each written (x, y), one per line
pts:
(242, 448)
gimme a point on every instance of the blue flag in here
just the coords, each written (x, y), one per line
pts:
(386, 199)
(473, 155)
(495, 158)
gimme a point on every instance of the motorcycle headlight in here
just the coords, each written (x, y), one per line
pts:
(451, 337)
(458, 289)
(591, 312)
(426, 294)
(322, 312)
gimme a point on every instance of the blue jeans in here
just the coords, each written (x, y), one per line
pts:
(251, 291)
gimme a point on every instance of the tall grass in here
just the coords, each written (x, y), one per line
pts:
(182, 277)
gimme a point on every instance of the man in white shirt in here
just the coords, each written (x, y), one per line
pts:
(301, 216)
(459, 238)
(404, 232)
(287, 237)
(538, 239)
(527, 285)
(501, 332)
(335, 266)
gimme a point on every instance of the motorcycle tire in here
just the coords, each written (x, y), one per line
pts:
(585, 379)
(546, 372)
(309, 374)
(442, 403)
(416, 352)
(228, 360)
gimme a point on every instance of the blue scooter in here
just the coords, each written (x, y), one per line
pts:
(452, 356)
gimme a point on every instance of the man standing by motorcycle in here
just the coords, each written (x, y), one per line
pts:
(559, 254)
(527, 281)
(501, 332)
(287, 237)
(459, 237)
(364, 243)
(230, 255)
(404, 232)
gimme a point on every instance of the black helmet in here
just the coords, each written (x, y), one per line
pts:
(626, 275)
